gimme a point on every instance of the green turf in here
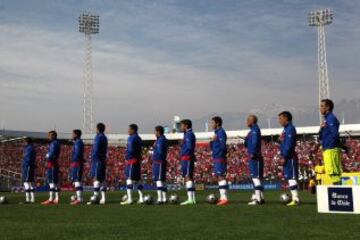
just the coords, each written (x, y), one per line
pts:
(203, 221)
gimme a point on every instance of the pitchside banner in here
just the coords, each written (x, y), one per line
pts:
(352, 178)
(338, 199)
(171, 187)
(247, 186)
(200, 187)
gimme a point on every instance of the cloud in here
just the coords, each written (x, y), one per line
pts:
(152, 61)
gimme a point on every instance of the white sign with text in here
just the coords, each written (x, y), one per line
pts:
(338, 199)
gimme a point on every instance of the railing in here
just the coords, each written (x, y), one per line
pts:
(11, 139)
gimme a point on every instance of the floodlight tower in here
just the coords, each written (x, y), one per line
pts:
(89, 25)
(320, 19)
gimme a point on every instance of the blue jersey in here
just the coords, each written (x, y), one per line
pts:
(160, 149)
(78, 151)
(53, 153)
(100, 146)
(329, 134)
(218, 146)
(188, 146)
(253, 142)
(288, 142)
(133, 157)
(134, 147)
(29, 156)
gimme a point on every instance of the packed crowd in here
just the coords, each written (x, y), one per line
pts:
(308, 153)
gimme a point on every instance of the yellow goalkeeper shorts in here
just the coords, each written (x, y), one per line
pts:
(332, 163)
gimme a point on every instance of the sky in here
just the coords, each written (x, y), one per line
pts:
(156, 59)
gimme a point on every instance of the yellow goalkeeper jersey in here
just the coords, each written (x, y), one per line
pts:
(319, 170)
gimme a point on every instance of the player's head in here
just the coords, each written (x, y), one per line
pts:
(159, 131)
(284, 118)
(216, 122)
(251, 120)
(76, 134)
(28, 140)
(185, 125)
(326, 106)
(133, 128)
(100, 128)
(52, 135)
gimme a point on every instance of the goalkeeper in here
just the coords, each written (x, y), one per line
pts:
(330, 141)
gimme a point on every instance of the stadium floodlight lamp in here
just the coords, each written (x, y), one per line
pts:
(320, 17)
(89, 23)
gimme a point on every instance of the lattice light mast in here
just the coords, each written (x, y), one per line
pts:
(89, 25)
(320, 19)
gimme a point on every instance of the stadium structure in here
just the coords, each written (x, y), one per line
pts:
(233, 135)
(320, 19)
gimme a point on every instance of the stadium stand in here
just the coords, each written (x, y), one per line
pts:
(11, 157)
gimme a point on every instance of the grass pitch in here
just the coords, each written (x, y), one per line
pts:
(172, 222)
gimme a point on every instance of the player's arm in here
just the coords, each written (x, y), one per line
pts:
(95, 150)
(130, 147)
(290, 141)
(31, 157)
(77, 151)
(162, 149)
(188, 145)
(52, 150)
(222, 139)
(103, 147)
(134, 148)
(27, 155)
(157, 149)
(333, 127)
(254, 142)
(193, 142)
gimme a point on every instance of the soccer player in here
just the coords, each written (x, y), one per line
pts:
(133, 159)
(289, 159)
(77, 165)
(256, 162)
(28, 169)
(159, 164)
(219, 151)
(98, 165)
(188, 160)
(53, 168)
(329, 137)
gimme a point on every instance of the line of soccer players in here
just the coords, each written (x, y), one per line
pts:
(329, 135)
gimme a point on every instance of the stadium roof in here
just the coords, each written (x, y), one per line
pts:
(345, 130)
